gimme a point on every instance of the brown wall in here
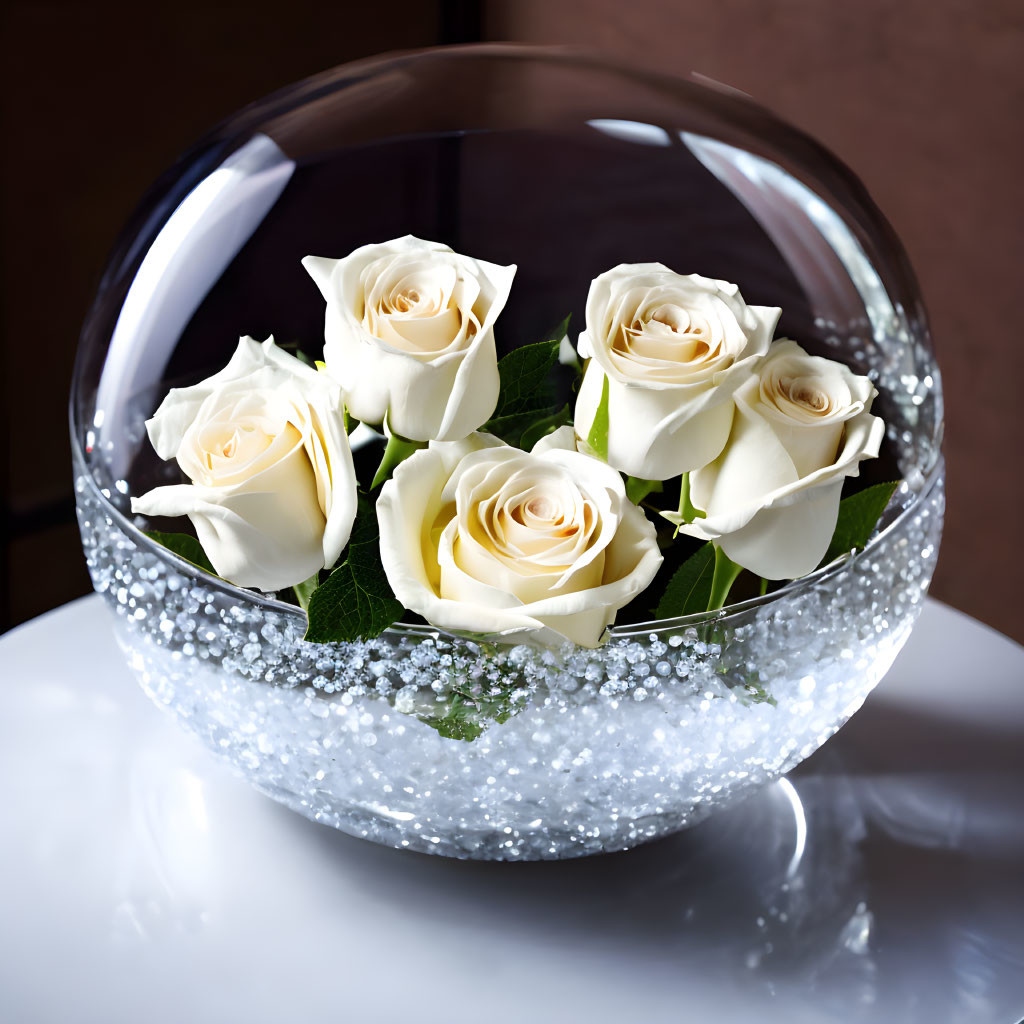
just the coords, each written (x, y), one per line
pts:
(923, 99)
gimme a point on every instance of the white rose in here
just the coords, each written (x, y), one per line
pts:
(673, 349)
(273, 492)
(772, 497)
(481, 537)
(409, 335)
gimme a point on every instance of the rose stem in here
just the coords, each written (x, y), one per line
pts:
(687, 510)
(725, 575)
(398, 450)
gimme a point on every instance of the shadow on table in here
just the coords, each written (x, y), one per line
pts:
(888, 871)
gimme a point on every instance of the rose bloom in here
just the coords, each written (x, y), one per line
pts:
(273, 492)
(772, 497)
(481, 537)
(409, 335)
(673, 349)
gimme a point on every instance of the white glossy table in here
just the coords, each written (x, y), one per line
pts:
(140, 881)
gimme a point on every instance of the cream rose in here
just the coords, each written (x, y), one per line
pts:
(481, 537)
(273, 492)
(409, 335)
(673, 349)
(772, 497)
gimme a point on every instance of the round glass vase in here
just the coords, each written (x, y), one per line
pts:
(566, 165)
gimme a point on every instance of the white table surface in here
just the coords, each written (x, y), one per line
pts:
(141, 881)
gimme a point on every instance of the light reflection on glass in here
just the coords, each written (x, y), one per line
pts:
(800, 825)
(199, 239)
(632, 131)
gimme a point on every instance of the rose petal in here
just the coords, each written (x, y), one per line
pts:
(673, 349)
(790, 541)
(772, 495)
(268, 539)
(434, 376)
(282, 496)
(470, 545)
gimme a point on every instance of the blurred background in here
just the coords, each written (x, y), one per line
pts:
(922, 98)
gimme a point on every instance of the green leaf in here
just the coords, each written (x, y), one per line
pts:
(465, 716)
(523, 373)
(350, 421)
(293, 349)
(511, 428)
(748, 688)
(184, 545)
(561, 331)
(356, 601)
(689, 589)
(544, 426)
(527, 395)
(304, 591)
(459, 721)
(568, 354)
(525, 429)
(858, 517)
(755, 693)
(598, 436)
(637, 488)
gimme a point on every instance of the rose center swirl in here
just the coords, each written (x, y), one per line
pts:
(535, 527)
(666, 335)
(805, 393)
(226, 444)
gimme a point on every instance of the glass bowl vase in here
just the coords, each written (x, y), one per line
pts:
(565, 164)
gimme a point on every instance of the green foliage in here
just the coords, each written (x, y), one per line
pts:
(184, 545)
(858, 517)
(293, 348)
(527, 407)
(523, 373)
(511, 428)
(350, 421)
(726, 571)
(355, 602)
(688, 512)
(637, 488)
(544, 426)
(561, 331)
(598, 436)
(304, 590)
(464, 716)
(689, 589)
(397, 451)
(755, 693)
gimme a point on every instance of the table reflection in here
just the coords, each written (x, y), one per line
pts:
(882, 881)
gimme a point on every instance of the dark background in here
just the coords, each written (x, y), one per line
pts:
(922, 98)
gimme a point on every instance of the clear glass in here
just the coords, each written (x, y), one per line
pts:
(565, 165)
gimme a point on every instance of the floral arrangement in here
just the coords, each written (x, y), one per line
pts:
(694, 447)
